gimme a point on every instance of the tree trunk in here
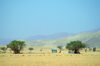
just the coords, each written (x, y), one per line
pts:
(75, 51)
(86, 50)
(60, 52)
(17, 51)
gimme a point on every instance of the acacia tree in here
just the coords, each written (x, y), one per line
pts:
(75, 46)
(60, 47)
(16, 46)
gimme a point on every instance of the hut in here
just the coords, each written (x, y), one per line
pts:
(71, 52)
(54, 50)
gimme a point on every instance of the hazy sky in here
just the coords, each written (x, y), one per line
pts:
(25, 18)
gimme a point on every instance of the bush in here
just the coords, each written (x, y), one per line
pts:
(94, 49)
(98, 50)
(60, 47)
(3, 48)
(41, 49)
(30, 49)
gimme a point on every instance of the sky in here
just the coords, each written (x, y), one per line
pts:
(25, 18)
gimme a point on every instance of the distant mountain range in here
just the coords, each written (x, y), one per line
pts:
(50, 37)
(54, 39)
(4, 42)
(57, 35)
(94, 30)
(93, 39)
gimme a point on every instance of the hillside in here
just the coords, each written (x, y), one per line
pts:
(93, 39)
(33, 39)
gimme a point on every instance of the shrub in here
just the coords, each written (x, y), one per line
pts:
(30, 49)
(3, 48)
(41, 49)
(94, 49)
(60, 47)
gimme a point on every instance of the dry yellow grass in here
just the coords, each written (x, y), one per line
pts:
(50, 59)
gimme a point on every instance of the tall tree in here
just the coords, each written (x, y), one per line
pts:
(16, 46)
(75, 46)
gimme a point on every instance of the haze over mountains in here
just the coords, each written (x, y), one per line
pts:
(92, 38)
(50, 37)
(94, 30)
(57, 35)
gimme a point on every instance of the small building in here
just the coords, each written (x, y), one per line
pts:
(71, 52)
(54, 50)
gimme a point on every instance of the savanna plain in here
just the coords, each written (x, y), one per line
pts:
(43, 56)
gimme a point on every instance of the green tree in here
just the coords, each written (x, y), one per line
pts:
(60, 47)
(16, 46)
(75, 46)
(31, 49)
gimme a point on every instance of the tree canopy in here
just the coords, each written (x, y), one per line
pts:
(75, 45)
(16, 46)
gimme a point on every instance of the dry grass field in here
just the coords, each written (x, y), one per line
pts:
(46, 58)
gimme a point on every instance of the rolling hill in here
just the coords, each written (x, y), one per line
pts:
(93, 39)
